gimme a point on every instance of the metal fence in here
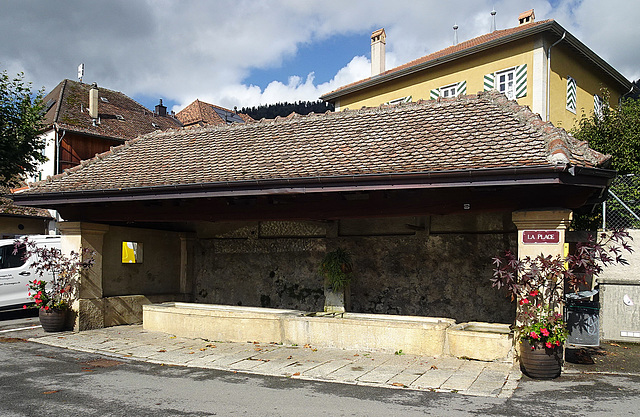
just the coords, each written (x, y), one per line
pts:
(622, 208)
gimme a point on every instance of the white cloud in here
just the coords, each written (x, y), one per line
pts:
(200, 49)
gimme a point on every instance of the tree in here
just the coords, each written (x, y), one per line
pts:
(21, 122)
(616, 131)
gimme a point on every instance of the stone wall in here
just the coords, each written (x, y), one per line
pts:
(427, 266)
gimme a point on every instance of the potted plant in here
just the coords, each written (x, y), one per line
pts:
(336, 268)
(538, 285)
(54, 298)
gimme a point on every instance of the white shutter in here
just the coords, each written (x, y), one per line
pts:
(521, 81)
(461, 88)
(435, 93)
(571, 95)
(489, 82)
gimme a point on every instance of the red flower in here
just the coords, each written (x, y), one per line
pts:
(557, 343)
(46, 307)
(534, 293)
(534, 335)
(548, 344)
(24, 307)
(524, 301)
(544, 332)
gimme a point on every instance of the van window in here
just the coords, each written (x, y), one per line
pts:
(10, 260)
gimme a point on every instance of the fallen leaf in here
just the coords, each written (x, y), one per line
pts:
(296, 374)
(162, 350)
(50, 392)
(191, 353)
(614, 344)
(289, 357)
(356, 355)
(433, 367)
(203, 349)
(307, 345)
(211, 346)
(398, 384)
(257, 349)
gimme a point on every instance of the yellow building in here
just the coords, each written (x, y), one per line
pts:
(539, 64)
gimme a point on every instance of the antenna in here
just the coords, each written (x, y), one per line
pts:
(80, 72)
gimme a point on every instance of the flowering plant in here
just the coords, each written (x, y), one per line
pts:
(538, 284)
(63, 269)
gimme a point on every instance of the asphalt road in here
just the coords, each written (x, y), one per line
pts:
(40, 380)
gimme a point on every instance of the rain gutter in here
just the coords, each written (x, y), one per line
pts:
(548, 174)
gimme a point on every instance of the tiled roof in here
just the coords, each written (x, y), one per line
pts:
(200, 113)
(462, 46)
(7, 208)
(473, 132)
(120, 116)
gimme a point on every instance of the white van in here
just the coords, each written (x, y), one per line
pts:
(15, 272)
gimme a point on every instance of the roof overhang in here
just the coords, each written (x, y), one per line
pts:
(517, 176)
(551, 27)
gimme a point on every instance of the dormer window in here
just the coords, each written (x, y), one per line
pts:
(104, 99)
(119, 117)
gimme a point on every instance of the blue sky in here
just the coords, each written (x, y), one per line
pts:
(250, 52)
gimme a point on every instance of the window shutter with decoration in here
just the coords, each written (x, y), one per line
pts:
(597, 106)
(489, 82)
(571, 94)
(521, 81)
(435, 93)
(461, 88)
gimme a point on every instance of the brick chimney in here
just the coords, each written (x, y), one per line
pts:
(93, 101)
(527, 17)
(160, 109)
(378, 43)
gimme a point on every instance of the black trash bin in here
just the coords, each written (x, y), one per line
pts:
(583, 319)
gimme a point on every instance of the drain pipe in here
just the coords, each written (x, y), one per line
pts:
(56, 169)
(549, 73)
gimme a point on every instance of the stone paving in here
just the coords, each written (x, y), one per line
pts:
(442, 374)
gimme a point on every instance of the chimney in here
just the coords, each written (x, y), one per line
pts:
(93, 101)
(493, 20)
(160, 109)
(526, 17)
(378, 42)
(455, 34)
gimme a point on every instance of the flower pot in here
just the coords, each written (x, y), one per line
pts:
(540, 362)
(52, 320)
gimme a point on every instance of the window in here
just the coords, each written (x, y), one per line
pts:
(506, 82)
(448, 91)
(10, 260)
(571, 95)
(406, 99)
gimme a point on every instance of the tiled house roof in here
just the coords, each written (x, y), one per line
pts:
(7, 208)
(483, 42)
(476, 132)
(120, 116)
(200, 113)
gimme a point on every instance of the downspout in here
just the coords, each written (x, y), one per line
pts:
(549, 74)
(58, 143)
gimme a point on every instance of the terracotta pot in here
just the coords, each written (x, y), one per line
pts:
(52, 320)
(540, 362)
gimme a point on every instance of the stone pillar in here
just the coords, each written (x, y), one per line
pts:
(541, 231)
(89, 306)
(186, 266)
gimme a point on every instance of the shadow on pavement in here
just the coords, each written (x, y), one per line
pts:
(609, 357)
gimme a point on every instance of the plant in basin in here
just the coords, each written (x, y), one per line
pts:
(538, 285)
(53, 290)
(336, 268)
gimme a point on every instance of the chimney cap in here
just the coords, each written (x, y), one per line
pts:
(527, 17)
(378, 35)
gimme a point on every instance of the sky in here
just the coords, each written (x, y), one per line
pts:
(241, 53)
